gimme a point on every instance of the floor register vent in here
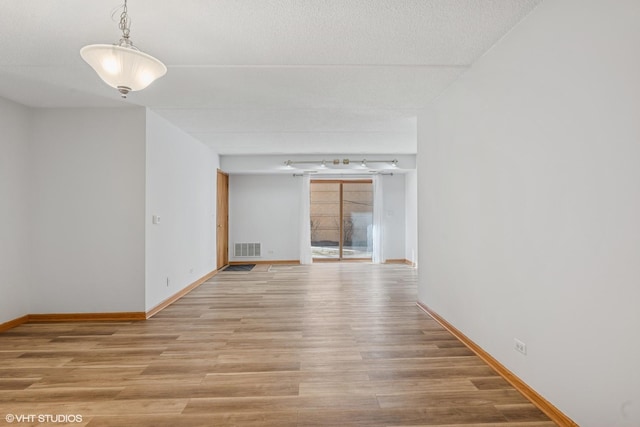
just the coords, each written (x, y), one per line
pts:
(247, 249)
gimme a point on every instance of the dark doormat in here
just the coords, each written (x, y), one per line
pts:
(240, 267)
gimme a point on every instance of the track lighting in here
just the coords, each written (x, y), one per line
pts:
(337, 162)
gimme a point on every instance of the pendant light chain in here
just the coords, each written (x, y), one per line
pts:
(125, 26)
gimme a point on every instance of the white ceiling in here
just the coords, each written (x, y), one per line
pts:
(262, 76)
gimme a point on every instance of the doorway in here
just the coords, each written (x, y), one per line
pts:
(222, 220)
(341, 219)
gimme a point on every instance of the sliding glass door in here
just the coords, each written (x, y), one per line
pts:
(341, 219)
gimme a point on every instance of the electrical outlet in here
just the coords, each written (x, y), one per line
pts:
(520, 346)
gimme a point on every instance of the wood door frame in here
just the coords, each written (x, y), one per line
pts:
(222, 219)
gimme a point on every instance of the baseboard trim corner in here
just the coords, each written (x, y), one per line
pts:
(13, 323)
(175, 297)
(543, 404)
(104, 317)
(399, 261)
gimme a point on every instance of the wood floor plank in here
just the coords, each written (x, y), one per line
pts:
(506, 399)
(278, 404)
(285, 345)
(59, 394)
(15, 384)
(386, 417)
(287, 419)
(103, 408)
(523, 411)
(500, 424)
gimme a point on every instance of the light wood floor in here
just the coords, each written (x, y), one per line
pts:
(322, 345)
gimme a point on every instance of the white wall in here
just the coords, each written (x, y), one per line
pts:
(14, 210)
(529, 190)
(393, 223)
(181, 190)
(411, 217)
(265, 209)
(87, 210)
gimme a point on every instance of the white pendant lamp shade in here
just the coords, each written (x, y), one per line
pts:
(122, 65)
(123, 68)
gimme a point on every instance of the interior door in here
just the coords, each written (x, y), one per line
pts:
(222, 220)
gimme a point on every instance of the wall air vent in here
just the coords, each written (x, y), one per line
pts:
(247, 249)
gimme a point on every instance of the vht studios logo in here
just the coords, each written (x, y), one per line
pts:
(43, 418)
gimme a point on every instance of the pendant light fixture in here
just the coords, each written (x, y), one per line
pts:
(123, 66)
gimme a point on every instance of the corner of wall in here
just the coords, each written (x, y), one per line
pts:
(15, 189)
(180, 203)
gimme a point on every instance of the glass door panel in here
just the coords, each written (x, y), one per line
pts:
(325, 220)
(341, 219)
(357, 220)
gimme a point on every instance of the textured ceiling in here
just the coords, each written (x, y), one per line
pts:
(262, 76)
